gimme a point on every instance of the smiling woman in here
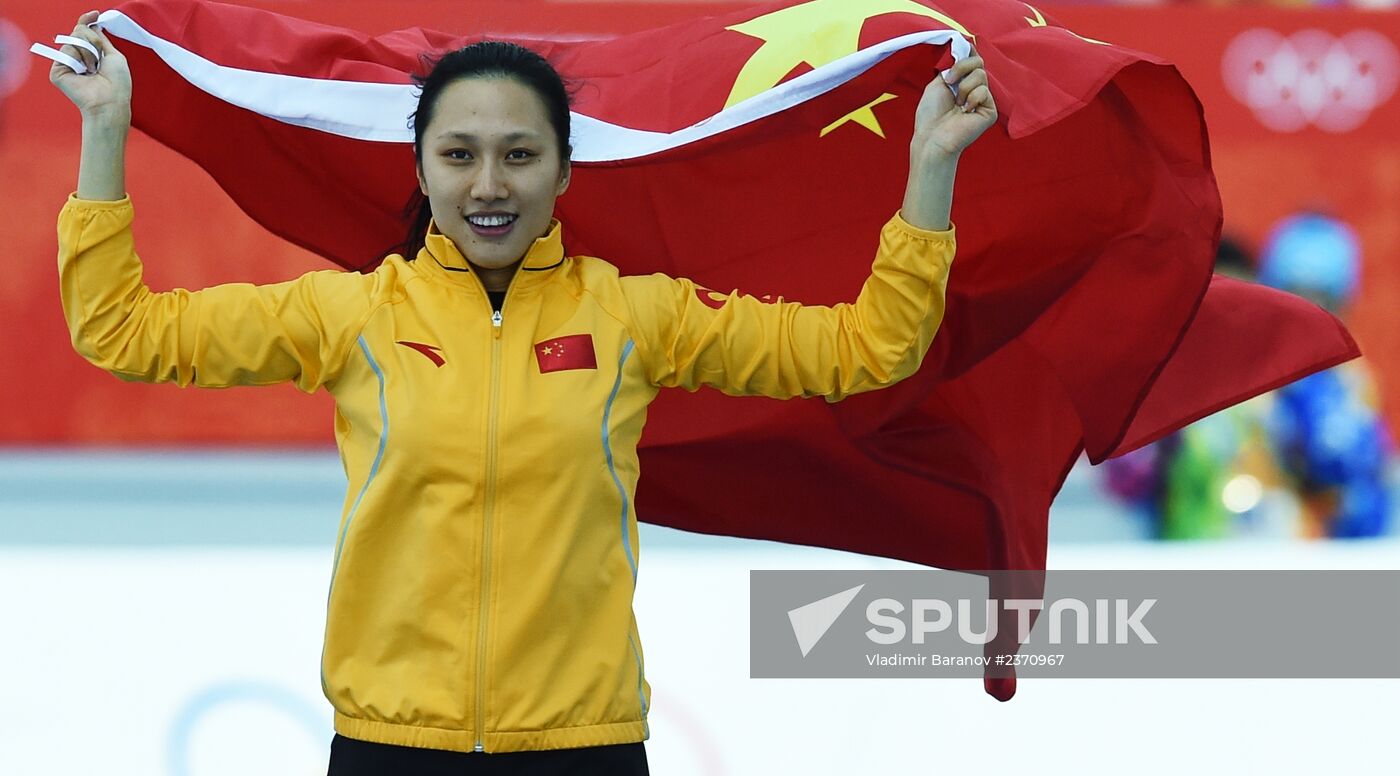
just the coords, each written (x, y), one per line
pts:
(491, 139)
(480, 609)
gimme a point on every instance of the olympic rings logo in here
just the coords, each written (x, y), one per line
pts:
(1311, 77)
(14, 57)
(202, 723)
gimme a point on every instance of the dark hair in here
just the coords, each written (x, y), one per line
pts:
(1232, 258)
(486, 59)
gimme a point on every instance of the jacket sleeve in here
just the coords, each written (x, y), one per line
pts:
(686, 336)
(232, 334)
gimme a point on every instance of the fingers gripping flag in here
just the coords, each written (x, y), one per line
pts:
(763, 151)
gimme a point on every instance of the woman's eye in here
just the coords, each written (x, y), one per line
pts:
(458, 153)
(519, 154)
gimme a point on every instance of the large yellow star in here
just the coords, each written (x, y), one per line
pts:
(816, 32)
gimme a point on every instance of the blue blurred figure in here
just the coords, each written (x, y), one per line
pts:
(1325, 429)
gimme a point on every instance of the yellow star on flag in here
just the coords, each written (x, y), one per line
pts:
(817, 33)
(1039, 21)
(863, 116)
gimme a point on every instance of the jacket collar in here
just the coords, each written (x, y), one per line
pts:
(445, 259)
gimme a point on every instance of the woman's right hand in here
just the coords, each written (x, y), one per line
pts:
(104, 92)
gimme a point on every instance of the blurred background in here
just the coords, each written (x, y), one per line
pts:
(163, 553)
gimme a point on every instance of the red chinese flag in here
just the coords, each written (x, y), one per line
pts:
(763, 151)
(572, 352)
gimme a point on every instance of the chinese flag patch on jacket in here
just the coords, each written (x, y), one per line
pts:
(572, 352)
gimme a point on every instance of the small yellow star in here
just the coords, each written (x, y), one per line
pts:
(1039, 21)
(864, 116)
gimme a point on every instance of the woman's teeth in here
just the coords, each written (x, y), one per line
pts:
(490, 221)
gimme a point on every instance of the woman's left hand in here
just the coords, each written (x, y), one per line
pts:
(944, 124)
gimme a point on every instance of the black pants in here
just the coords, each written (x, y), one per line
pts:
(350, 757)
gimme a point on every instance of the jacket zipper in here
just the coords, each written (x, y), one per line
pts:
(489, 505)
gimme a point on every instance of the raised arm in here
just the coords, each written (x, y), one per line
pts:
(234, 334)
(103, 97)
(944, 126)
(688, 336)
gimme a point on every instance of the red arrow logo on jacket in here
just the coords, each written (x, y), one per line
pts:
(428, 350)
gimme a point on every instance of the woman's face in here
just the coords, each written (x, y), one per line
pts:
(491, 168)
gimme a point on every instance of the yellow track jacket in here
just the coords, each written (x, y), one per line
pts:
(481, 594)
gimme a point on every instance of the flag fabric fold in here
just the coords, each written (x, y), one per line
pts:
(762, 151)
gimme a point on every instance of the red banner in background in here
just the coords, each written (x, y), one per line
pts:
(1301, 108)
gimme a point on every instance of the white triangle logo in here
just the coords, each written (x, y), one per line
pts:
(812, 621)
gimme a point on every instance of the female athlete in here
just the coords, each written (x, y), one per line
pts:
(490, 391)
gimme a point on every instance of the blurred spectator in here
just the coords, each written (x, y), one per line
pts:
(1309, 459)
(1326, 430)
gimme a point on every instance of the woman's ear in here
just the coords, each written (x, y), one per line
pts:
(565, 172)
(422, 182)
